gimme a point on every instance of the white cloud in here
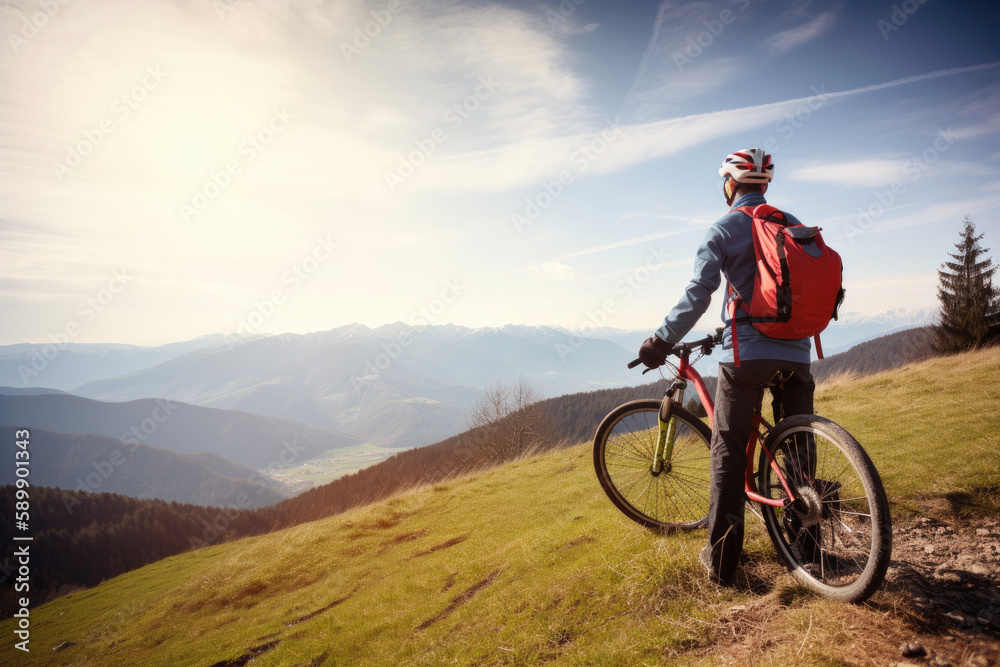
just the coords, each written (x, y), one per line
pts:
(976, 113)
(560, 19)
(906, 212)
(871, 173)
(323, 174)
(675, 67)
(380, 119)
(384, 241)
(946, 212)
(530, 162)
(786, 40)
(665, 216)
(876, 172)
(659, 93)
(689, 52)
(627, 242)
(553, 270)
(987, 125)
(221, 86)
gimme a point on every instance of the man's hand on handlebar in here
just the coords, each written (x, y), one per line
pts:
(654, 351)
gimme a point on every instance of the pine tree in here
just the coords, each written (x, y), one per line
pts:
(968, 297)
(696, 408)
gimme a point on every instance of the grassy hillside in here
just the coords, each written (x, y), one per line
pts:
(930, 427)
(880, 354)
(530, 563)
(80, 540)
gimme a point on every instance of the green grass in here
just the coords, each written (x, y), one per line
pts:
(530, 563)
(930, 428)
(529, 557)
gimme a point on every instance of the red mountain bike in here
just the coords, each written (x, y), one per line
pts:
(820, 496)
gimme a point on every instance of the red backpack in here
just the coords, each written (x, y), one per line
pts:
(798, 285)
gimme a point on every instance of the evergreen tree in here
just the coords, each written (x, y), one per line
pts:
(968, 297)
(695, 407)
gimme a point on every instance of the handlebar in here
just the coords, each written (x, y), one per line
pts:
(684, 350)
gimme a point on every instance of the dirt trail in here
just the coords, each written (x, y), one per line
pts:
(942, 607)
(950, 568)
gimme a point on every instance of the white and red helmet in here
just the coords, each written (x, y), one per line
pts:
(750, 165)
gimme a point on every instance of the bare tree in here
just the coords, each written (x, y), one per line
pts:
(508, 422)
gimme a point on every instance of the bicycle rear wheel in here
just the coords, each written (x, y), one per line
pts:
(624, 446)
(838, 538)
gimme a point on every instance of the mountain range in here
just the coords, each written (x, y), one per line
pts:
(396, 385)
(63, 365)
(854, 328)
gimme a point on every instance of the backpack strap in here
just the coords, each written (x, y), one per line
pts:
(819, 347)
(734, 304)
(732, 325)
(765, 212)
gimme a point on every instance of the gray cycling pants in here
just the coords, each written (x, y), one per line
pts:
(740, 390)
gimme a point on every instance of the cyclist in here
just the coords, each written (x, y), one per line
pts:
(783, 365)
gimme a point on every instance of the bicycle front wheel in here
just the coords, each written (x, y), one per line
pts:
(837, 538)
(676, 497)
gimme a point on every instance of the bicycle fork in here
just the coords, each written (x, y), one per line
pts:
(668, 429)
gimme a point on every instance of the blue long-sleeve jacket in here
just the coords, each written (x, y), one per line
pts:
(727, 250)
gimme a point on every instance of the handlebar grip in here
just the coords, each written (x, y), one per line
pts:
(634, 363)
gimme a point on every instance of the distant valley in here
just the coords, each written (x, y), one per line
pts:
(252, 440)
(101, 464)
(159, 448)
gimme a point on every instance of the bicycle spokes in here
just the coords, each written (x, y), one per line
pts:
(650, 487)
(828, 530)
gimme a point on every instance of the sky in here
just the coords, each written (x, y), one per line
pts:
(174, 168)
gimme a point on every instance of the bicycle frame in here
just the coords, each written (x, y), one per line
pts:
(687, 372)
(833, 530)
